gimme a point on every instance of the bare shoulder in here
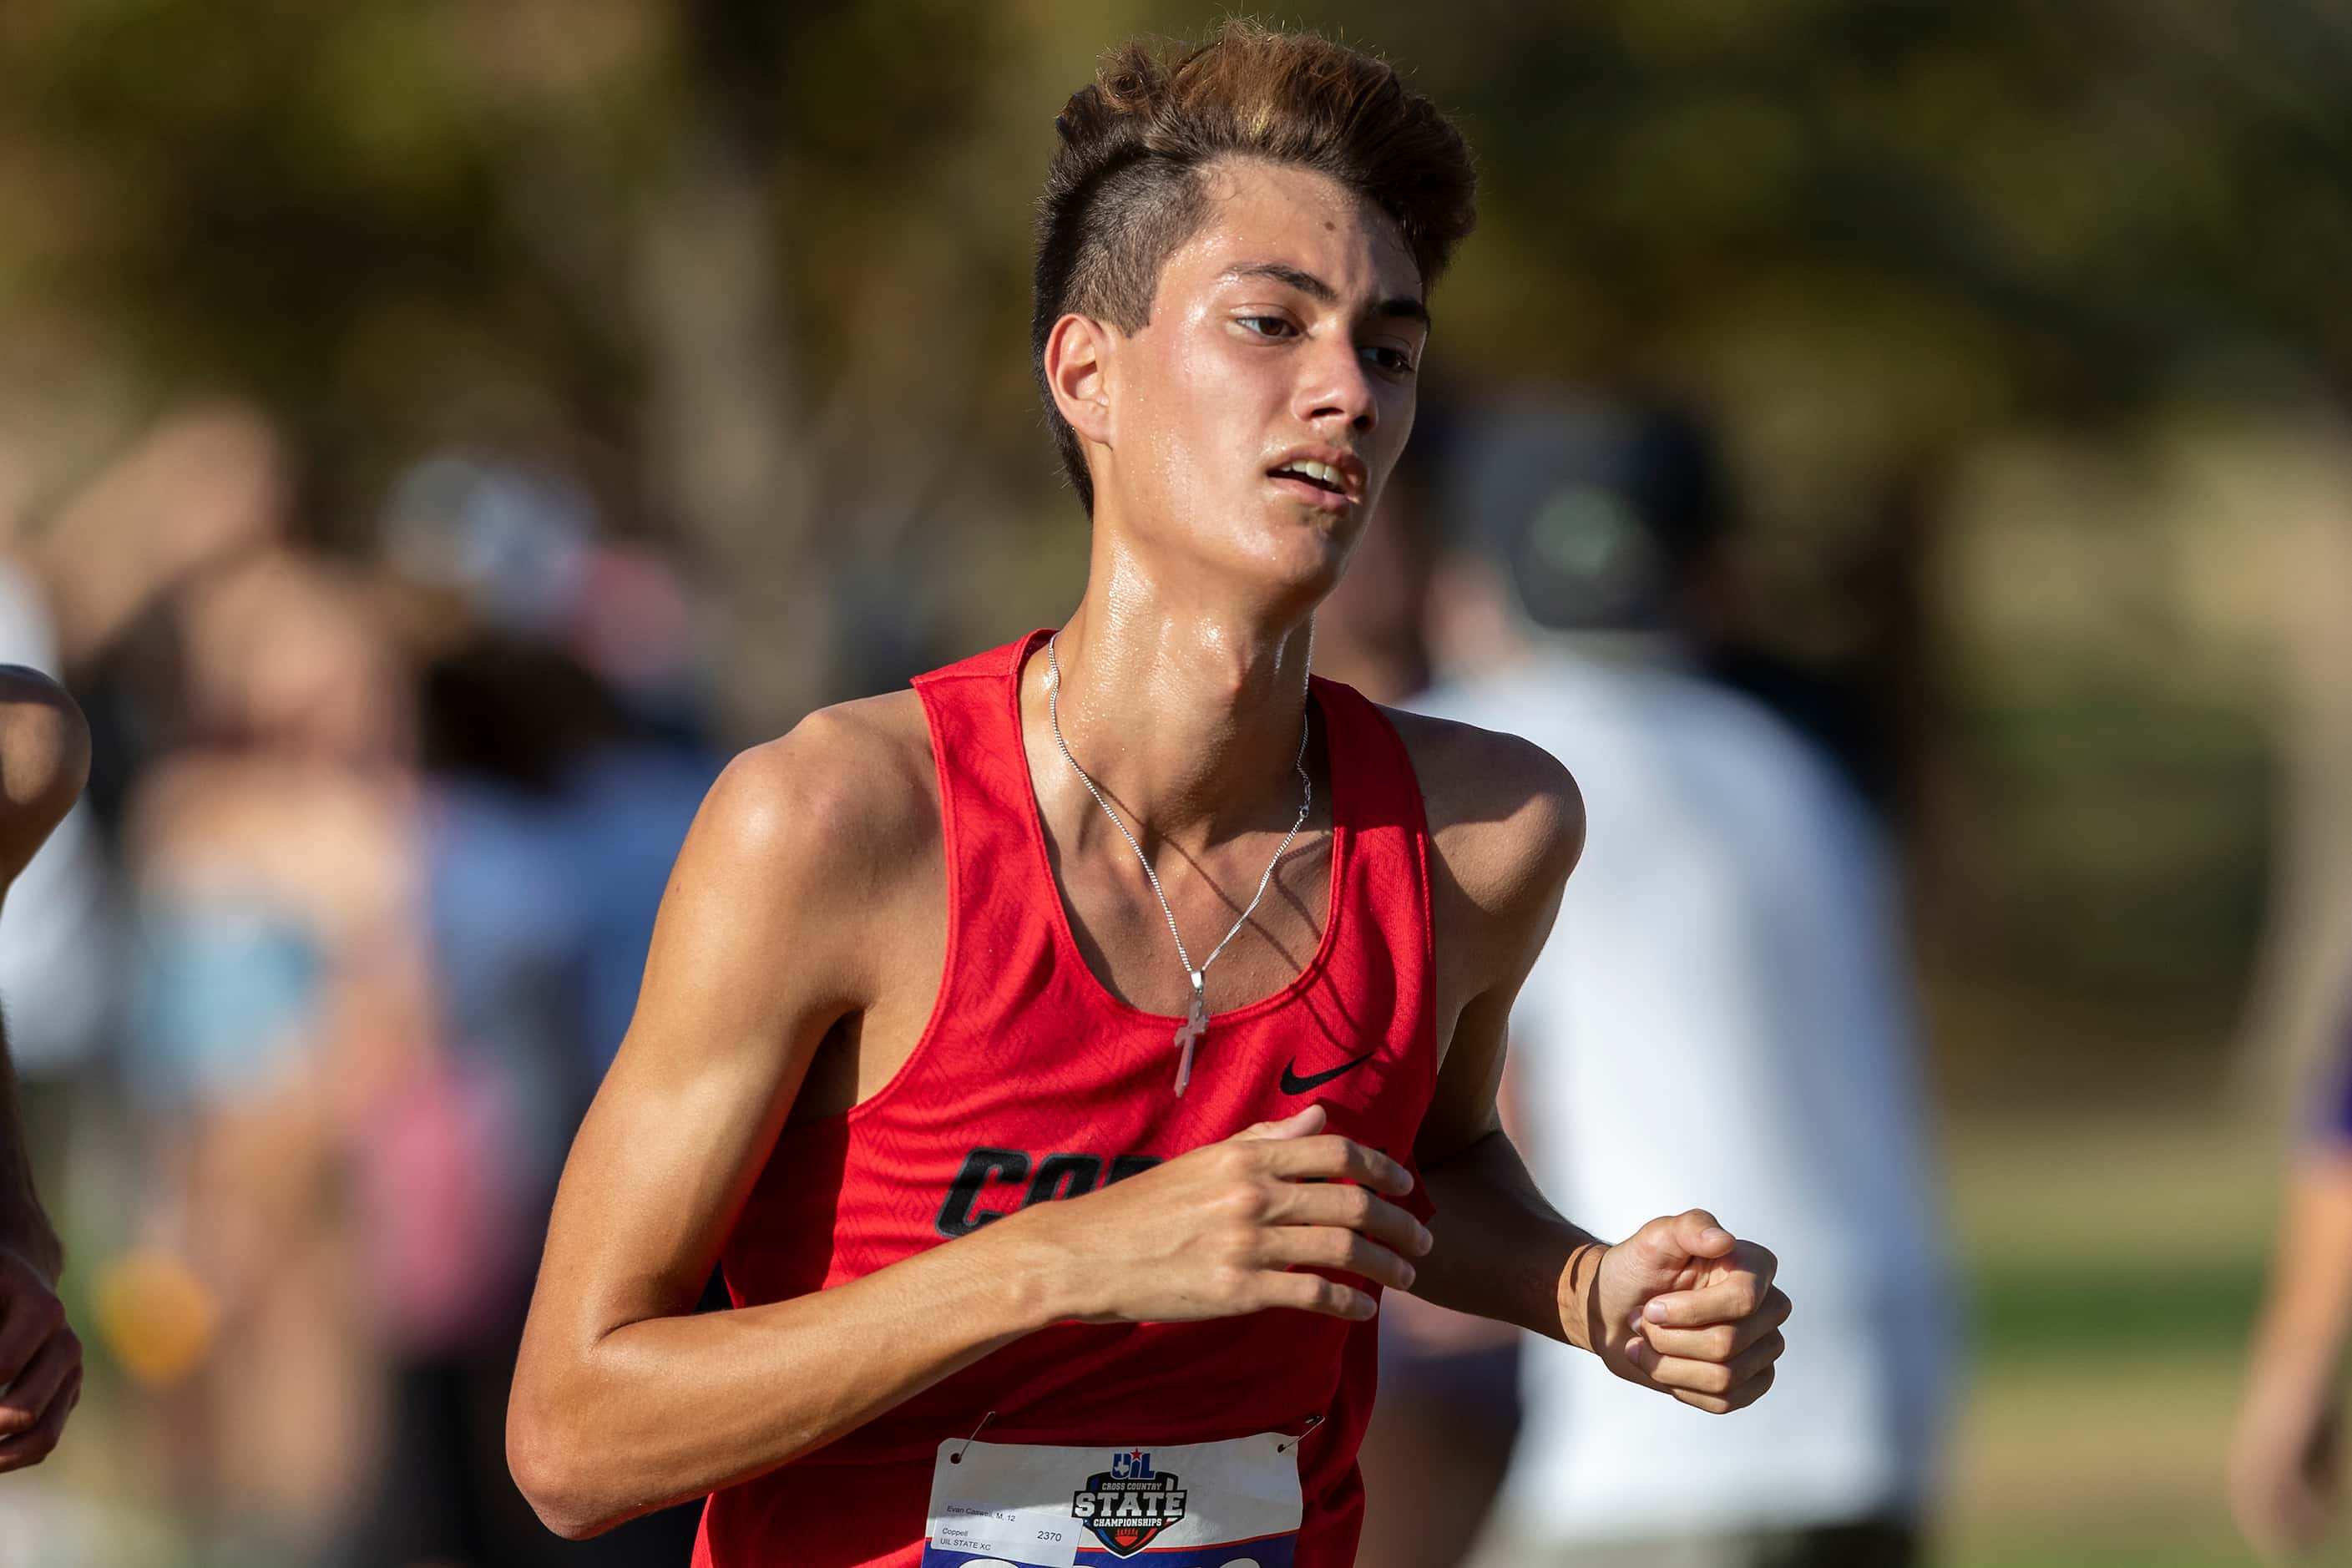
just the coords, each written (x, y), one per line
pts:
(1506, 818)
(806, 848)
(848, 794)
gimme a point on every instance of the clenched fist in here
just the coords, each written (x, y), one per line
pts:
(1684, 1307)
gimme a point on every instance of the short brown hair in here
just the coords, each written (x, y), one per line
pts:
(1125, 186)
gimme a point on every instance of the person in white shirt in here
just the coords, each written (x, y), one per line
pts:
(1728, 955)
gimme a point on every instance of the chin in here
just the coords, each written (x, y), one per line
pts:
(1281, 552)
(1302, 554)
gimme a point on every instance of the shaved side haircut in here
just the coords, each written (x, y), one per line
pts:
(1127, 183)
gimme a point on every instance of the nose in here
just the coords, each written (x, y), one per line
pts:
(1337, 390)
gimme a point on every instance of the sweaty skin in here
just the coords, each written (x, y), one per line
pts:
(1290, 326)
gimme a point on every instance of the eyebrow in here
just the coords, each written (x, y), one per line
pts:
(1404, 306)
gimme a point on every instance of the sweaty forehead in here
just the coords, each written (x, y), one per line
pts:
(1259, 211)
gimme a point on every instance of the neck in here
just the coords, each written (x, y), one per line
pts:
(1186, 714)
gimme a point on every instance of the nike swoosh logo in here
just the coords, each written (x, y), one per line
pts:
(1294, 1084)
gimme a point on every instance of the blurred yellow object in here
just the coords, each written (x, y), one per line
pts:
(158, 1318)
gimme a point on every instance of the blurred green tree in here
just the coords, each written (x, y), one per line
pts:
(760, 270)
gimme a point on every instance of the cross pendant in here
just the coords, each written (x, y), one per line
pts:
(1195, 1025)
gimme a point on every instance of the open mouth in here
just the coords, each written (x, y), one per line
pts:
(1322, 476)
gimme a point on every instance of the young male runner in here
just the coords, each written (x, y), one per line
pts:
(1053, 1219)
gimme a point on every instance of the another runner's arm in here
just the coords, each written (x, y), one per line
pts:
(44, 762)
(1682, 1306)
(795, 871)
(1508, 825)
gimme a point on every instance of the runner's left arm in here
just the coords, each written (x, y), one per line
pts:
(1502, 1250)
(1682, 1306)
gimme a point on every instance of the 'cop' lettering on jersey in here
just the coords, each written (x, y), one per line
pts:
(1048, 1177)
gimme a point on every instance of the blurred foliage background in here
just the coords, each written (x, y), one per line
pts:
(2023, 324)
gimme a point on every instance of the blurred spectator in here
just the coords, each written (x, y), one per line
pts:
(1370, 631)
(519, 550)
(562, 777)
(1725, 979)
(207, 484)
(279, 998)
(2286, 1462)
(563, 739)
(386, 932)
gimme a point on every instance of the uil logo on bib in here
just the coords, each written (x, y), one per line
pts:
(1128, 1505)
(1034, 1505)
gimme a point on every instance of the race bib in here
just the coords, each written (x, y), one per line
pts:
(1233, 1504)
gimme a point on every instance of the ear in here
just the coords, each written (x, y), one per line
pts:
(1077, 369)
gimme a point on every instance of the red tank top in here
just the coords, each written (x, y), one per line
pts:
(1031, 1082)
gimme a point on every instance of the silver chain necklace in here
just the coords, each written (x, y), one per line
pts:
(1196, 1016)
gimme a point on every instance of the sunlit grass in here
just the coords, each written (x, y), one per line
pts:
(2113, 1268)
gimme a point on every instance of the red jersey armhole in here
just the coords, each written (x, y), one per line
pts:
(954, 879)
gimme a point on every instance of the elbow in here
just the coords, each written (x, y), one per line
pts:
(552, 1475)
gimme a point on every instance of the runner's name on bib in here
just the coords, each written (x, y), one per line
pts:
(1233, 1504)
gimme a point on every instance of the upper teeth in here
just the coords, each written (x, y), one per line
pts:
(1322, 471)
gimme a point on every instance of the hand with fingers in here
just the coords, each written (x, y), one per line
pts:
(2284, 1465)
(1684, 1307)
(40, 1364)
(44, 762)
(1234, 1227)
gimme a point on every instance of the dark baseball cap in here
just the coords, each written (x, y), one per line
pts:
(1597, 509)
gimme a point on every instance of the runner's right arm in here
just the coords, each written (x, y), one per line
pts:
(625, 1401)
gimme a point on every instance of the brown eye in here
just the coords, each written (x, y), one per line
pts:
(1268, 326)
